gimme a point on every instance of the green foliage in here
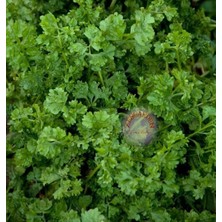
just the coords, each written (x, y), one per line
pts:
(74, 70)
(113, 27)
(142, 32)
(92, 215)
(55, 101)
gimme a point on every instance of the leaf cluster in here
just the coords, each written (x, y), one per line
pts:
(74, 70)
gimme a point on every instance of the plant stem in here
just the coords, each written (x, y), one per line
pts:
(177, 94)
(93, 172)
(211, 100)
(164, 128)
(167, 67)
(112, 4)
(63, 54)
(178, 59)
(128, 36)
(101, 78)
(210, 124)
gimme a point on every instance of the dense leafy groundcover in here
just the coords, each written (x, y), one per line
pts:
(74, 70)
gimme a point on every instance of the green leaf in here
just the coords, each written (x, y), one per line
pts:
(74, 110)
(118, 81)
(159, 8)
(68, 188)
(100, 119)
(20, 119)
(113, 27)
(95, 37)
(160, 97)
(49, 175)
(90, 120)
(49, 24)
(170, 13)
(92, 215)
(78, 48)
(50, 142)
(142, 31)
(55, 101)
(160, 215)
(41, 206)
(131, 102)
(23, 158)
(133, 213)
(85, 201)
(69, 216)
(127, 183)
(81, 90)
(98, 60)
(208, 111)
(199, 193)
